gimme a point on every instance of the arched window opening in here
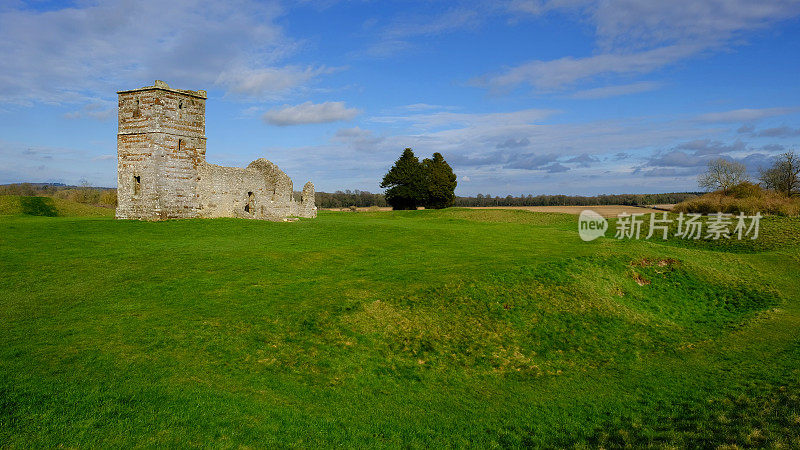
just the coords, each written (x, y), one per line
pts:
(137, 185)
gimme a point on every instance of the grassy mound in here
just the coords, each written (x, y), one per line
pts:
(746, 197)
(50, 207)
(570, 315)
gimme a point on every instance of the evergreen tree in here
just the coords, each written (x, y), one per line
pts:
(440, 181)
(405, 182)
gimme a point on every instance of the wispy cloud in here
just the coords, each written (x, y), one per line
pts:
(745, 115)
(615, 91)
(96, 109)
(269, 82)
(556, 74)
(635, 37)
(307, 113)
(451, 119)
(396, 36)
(775, 132)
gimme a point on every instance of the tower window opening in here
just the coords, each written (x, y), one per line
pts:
(250, 200)
(180, 105)
(137, 185)
(180, 144)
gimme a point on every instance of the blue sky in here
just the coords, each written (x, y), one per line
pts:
(520, 96)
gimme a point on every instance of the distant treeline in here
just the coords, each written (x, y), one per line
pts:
(576, 200)
(81, 194)
(343, 199)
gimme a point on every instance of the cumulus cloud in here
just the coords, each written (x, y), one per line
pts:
(90, 50)
(307, 113)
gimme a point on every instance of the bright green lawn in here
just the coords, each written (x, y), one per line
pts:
(421, 328)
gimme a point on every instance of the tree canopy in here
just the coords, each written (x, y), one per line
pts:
(405, 182)
(441, 182)
(410, 184)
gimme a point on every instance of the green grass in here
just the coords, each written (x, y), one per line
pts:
(49, 207)
(483, 328)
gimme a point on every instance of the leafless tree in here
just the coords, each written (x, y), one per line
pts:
(784, 175)
(722, 174)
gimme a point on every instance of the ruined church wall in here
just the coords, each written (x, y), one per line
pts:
(226, 191)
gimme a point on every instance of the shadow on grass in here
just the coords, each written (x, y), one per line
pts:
(38, 206)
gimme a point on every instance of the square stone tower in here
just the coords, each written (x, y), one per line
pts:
(161, 144)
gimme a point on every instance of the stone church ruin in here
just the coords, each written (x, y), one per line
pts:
(162, 171)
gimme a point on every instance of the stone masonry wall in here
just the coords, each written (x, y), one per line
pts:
(162, 172)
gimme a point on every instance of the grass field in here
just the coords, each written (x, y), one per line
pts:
(483, 328)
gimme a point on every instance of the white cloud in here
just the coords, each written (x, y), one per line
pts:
(563, 72)
(640, 36)
(25, 163)
(96, 109)
(645, 23)
(745, 115)
(269, 82)
(615, 91)
(75, 54)
(451, 119)
(425, 107)
(358, 139)
(394, 37)
(308, 112)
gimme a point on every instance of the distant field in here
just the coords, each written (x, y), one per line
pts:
(603, 210)
(458, 327)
